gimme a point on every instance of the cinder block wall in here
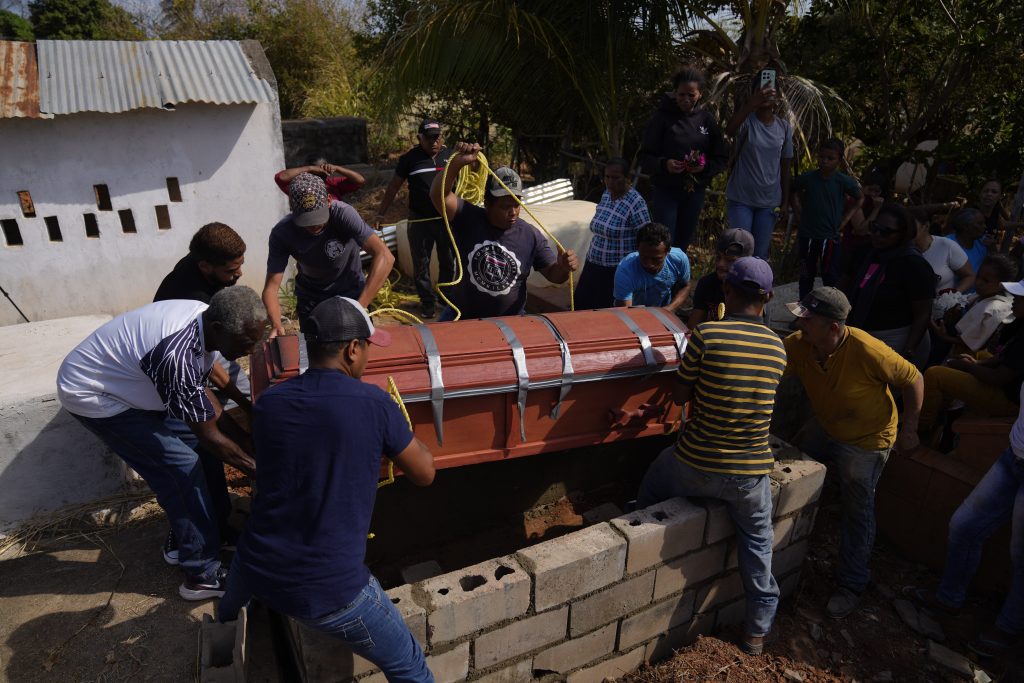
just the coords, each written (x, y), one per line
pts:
(593, 604)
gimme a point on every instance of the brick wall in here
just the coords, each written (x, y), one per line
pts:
(592, 604)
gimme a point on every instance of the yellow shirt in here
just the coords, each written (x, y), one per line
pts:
(850, 391)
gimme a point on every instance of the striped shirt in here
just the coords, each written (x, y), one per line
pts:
(734, 366)
(152, 358)
(615, 224)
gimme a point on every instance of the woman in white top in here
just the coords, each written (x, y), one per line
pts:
(952, 268)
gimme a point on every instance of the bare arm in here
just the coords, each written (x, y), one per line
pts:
(854, 208)
(444, 199)
(354, 176)
(389, 196)
(965, 277)
(417, 463)
(679, 299)
(746, 109)
(988, 372)
(913, 397)
(222, 380)
(380, 266)
(221, 446)
(273, 304)
(558, 272)
(288, 174)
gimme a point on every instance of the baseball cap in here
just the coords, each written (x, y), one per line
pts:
(1014, 288)
(307, 196)
(340, 319)
(736, 242)
(751, 274)
(510, 178)
(827, 302)
(429, 127)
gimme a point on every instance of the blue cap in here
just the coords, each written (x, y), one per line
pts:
(751, 274)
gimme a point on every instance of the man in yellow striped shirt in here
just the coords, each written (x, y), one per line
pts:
(730, 371)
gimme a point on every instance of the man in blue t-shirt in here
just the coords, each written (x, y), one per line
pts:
(497, 248)
(319, 440)
(656, 274)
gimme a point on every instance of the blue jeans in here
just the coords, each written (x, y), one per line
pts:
(758, 221)
(678, 210)
(858, 471)
(155, 446)
(749, 502)
(370, 626)
(998, 497)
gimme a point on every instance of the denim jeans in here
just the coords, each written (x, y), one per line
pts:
(858, 471)
(758, 221)
(153, 445)
(998, 497)
(679, 211)
(749, 502)
(370, 626)
(422, 239)
(818, 257)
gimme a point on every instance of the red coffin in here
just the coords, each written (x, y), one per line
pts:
(482, 390)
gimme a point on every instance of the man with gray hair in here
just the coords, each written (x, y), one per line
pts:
(139, 384)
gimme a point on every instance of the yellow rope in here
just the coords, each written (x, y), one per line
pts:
(455, 247)
(471, 184)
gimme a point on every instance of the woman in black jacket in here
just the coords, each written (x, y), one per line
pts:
(682, 151)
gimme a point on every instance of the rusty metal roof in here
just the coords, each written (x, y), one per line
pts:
(116, 76)
(19, 84)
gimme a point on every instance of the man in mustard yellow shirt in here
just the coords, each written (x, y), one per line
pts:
(847, 374)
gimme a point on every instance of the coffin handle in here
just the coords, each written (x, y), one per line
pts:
(522, 373)
(436, 380)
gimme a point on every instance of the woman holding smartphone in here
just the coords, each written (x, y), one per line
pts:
(757, 195)
(682, 150)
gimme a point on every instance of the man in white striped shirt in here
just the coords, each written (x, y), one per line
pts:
(134, 381)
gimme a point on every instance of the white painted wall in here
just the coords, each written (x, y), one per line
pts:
(223, 156)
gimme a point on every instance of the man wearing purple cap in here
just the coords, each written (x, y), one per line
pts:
(324, 238)
(320, 438)
(709, 294)
(426, 230)
(730, 371)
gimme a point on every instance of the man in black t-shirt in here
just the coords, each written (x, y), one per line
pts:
(733, 244)
(418, 166)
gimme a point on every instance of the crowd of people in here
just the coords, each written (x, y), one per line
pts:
(906, 316)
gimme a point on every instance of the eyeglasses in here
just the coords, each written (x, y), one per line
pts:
(884, 232)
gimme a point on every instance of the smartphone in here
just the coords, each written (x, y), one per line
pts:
(768, 79)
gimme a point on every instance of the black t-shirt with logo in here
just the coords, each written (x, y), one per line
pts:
(496, 263)
(419, 168)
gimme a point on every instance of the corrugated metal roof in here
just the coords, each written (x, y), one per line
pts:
(115, 76)
(19, 84)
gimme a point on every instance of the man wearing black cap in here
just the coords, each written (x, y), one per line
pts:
(324, 238)
(418, 166)
(319, 441)
(709, 295)
(498, 249)
(730, 371)
(847, 374)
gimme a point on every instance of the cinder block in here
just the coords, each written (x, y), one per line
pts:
(520, 672)
(719, 591)
(782, 532)
(222, 649)
(574, 565)
(578, 651)
(610, 603)
(448, 667)
(665, 646)
(415, 617)
(801, 482)
(521, 637)
(473, 598)
(689, 569)
(656, 620)
(805, 522)
(661, 532)
(719, 526)
(788, 559)
(614, 668)
(733, 613)
(783, 450)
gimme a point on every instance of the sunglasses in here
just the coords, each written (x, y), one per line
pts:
(884, 232)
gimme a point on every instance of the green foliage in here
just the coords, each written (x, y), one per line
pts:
(82, 20)
(13, 27)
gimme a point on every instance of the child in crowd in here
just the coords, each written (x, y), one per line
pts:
(656, 274)
(818, 210)
(709, 295)
(969, 329)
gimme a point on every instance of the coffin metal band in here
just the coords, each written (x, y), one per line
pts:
(677, 333)
(522, 373)
(567, 371)
(436, 381)
(645, 341)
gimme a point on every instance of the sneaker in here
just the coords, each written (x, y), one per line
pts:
(198, 588)
(842, 602)
(991, 643)
(170, 549)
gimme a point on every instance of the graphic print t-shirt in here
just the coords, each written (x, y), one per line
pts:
(496, 263)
